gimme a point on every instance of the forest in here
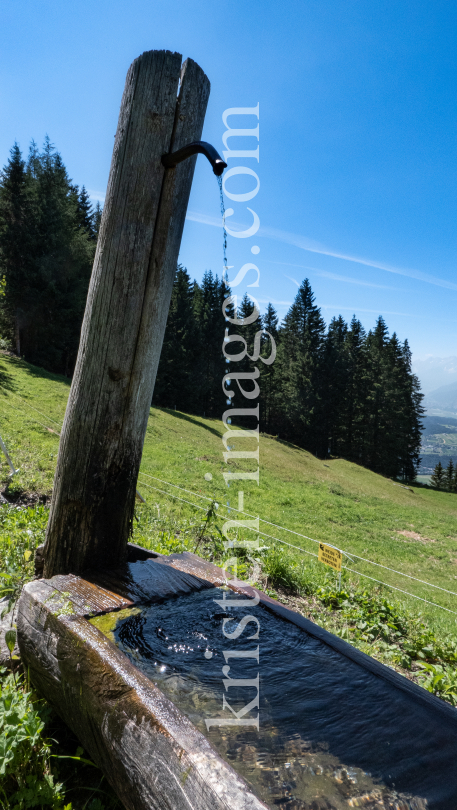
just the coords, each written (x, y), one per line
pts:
(48, 235)
(334, 390)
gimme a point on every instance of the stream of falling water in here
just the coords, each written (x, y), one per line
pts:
(224, 231)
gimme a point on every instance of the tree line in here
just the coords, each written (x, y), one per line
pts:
(48, 235)
(445, 478)
(335, 390)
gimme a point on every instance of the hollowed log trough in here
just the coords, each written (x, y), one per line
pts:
(150, 752)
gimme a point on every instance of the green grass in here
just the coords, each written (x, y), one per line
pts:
(32, 408)
(333, 501)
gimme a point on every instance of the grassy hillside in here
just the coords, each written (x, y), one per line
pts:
(413, 530)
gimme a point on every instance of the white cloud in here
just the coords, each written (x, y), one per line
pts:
(332, 276)
(97, 196)
(291, 279)
(359, 309)
(273, 301)
(309, 245)
(204, 219)
(314, 247)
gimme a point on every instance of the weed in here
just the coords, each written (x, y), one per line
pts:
(26, 778)
(21, 531)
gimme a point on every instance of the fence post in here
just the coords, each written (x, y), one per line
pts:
(125, 318)
(10, 463)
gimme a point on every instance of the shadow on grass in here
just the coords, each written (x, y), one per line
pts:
(191, 419)
(36, 371)
(6, 379)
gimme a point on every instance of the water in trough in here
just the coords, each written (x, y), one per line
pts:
(331, 735)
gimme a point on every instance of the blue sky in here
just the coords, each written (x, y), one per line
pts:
(357, 137)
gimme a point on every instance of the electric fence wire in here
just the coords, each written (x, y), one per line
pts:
(49, 418)
(304, 551)
(51, 430)
(427, 601)
(195, 505)
(277, 526)
(298, 534)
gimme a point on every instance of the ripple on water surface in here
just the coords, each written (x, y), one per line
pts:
(331, 735)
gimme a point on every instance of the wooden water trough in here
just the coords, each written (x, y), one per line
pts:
(151, 753)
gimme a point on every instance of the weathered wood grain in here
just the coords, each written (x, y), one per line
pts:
(152, 755)
(125, 318)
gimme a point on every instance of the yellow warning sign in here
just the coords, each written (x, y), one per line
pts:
(330, 556)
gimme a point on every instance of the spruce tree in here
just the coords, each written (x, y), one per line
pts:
(333, 383)
(46, 257)
(373, 454)
(96, 219)
(210, 365)
(18, 235)
(448, 477)
(298, 369)
(85, 214)
(392, 451)
(268, 372)
(176, 384)
(437, 477)
(353, 423)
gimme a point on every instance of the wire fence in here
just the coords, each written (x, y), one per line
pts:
(31, 418)
(350, 555)
(300, 549)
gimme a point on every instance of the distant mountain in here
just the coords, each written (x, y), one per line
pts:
(439, 442)
(434, 425)
(435, 372)
(443, 399)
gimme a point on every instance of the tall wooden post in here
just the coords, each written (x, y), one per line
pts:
(125, 318)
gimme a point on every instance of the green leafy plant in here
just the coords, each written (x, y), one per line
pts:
(21, 531)
(441, 680)
(26, 778)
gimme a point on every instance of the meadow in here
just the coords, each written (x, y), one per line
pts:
(409, 529)
(398, 542)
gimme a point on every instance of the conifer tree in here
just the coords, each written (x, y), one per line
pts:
(210, 362)
(437, 477)
(176, 384)
(268, 376)
(333, 382)
(48, 270)
(376, 372)
(84, 213)
(298, 369)
(448, 476)
(248, 324)
(356, 390)
(353, 422)
(96, 219)
(18, 233)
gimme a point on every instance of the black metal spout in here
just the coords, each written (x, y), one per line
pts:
(197, 147)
